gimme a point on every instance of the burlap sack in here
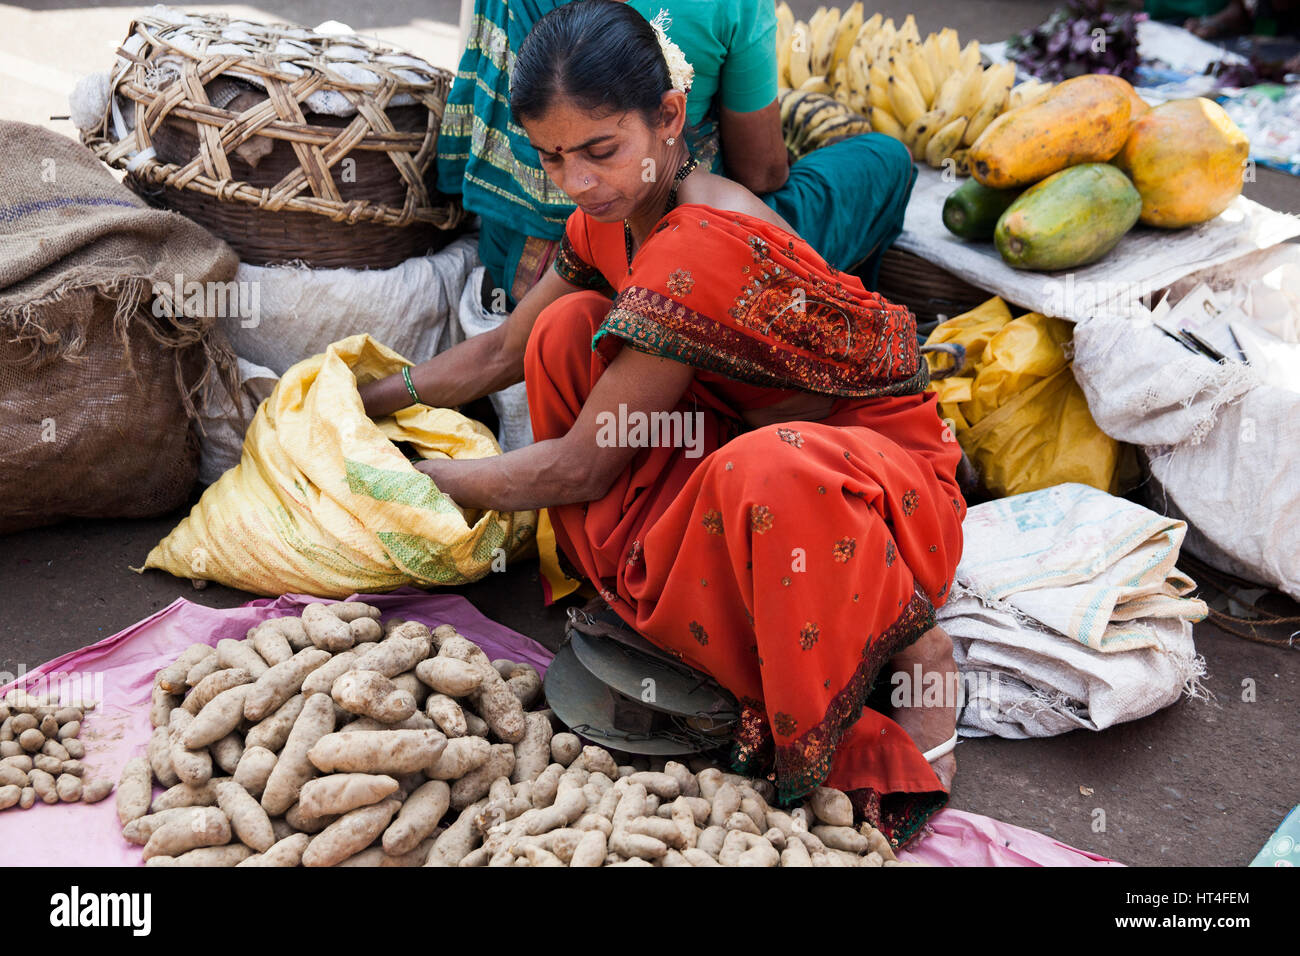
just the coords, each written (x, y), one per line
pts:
(96, 393)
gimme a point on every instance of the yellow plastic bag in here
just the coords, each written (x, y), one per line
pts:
(1016, 409)
(323, 503)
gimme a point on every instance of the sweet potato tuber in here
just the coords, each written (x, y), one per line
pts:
(272, 732)
(214, 684)
(338, 793)
(349, 834)
(293, 768)
(282, 682)
(133, 790)
(374, 751)
(371, 694)
(418, 818)
(247, 818)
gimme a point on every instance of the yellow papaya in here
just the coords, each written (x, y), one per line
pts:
(1083, 120)
(1187, 159)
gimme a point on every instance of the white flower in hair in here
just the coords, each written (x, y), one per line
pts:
(680, 73)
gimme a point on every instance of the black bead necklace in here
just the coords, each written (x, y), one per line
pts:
(686, 169)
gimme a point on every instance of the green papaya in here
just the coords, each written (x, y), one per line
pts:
(972, 210)
(1071, 218)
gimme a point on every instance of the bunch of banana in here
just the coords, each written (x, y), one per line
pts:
(811, 120)
(933, 94)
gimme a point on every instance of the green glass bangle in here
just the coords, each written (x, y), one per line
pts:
(406, 377)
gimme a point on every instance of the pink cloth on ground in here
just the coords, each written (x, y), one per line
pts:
(75, 834)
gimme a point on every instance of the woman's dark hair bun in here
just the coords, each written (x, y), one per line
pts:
(601, 54)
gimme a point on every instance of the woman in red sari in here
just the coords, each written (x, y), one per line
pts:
(795, 545)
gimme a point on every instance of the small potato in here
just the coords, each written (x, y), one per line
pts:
(74, 767)
(209, 665)
(340, 793)
(49, 764)
(31, 740)
(184, 795)
(161, 705)
(69, 730)
(133, 790)
(282, 682)
(23, 762)
(254, 768)
(160, 757)
(68, 715)
(446, 714)
(220, 716)
(10, 794)
(44, 785)
(272, 732)
(392, 751)
(349, 834)
(215, 683)
(50, 727)
(565, 748)
(20, 723)
(208, 826)
(365, 630)
(326, 631)
(285, 852)
(322, 678)
(294, 768)
(832, 807)
(233, 653)
(533, 753)
(12, 776)
(459, 757)
(449, 676)
(28, 798)
(52, 748)
(227, 751)
(419, 816)
(75, 748)
(68, 787)
(231, 855)
(247, 818)
(371, 694)
(192, 766)
(9, 748)
(92, 791)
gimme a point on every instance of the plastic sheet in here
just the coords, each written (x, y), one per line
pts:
(75, 834)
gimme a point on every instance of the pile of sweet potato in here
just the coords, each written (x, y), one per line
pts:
(335, 740)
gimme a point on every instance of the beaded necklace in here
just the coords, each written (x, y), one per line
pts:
(686, 169)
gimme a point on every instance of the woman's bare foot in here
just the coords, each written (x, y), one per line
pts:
(929, 721)
(1231, 19)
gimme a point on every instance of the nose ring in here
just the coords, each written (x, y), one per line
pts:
(586, 182)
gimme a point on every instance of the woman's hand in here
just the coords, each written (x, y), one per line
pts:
(803, 407)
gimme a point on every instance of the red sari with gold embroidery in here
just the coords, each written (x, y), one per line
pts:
(789, 561)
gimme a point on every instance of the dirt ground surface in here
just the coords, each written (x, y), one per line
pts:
(1200, 783)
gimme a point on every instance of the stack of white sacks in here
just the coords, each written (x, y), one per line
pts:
(1068, 613)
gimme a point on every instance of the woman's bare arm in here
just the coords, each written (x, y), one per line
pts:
(580, 466)
(476, 367)
(753, 149)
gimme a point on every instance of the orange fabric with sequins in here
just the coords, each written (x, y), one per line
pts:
(789, 561)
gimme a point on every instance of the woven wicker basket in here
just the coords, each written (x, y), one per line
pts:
(930, 291)
(289, 144)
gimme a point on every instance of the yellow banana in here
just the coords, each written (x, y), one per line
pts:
(950, 95)
(918, 133)
(823, 40)
(950, 50)
(944, 142)
(905, 99)
(883, 121)
(800, 53)
(815, 84)
(870, 27)
(997, 87)
(970, 55)
(847, 33)
(934, 60)
(920, 69)
(878, 87)
(908, 30)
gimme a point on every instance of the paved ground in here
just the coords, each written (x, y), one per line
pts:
(1199, 783)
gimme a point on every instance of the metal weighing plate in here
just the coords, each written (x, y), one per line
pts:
(620, 632)
(673, 691)
(580, 700)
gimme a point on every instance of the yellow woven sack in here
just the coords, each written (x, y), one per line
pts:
(1016, 409)
(323, 503)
